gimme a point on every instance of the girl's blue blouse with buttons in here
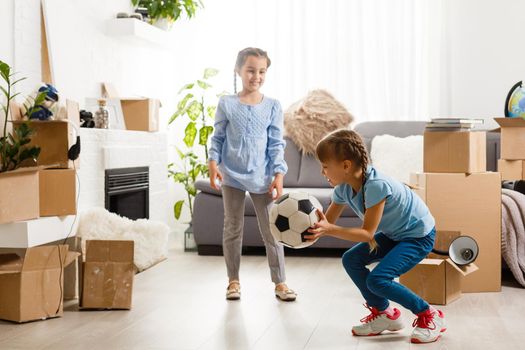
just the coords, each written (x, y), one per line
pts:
(248, 143)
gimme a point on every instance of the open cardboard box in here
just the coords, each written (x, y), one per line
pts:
(437, 279)
(471, 204)
(54, 137)
(140, 113)
(107, 275)
(32, 283)
(512, 138)
(455, 152)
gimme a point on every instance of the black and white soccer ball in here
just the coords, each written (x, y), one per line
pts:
(291, 216)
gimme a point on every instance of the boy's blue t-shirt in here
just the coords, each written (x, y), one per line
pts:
(405, 214)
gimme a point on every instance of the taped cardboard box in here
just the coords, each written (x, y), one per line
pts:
(471, 204)
(455, 152)
(512, 138)
(437, 281)
(19, 191)
(32, 283)
(107, 275)
(511, 169)
(57, 192)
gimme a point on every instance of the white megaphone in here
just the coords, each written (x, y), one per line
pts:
(462, 251)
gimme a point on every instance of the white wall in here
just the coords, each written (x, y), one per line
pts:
(6, 31)
(486, 55)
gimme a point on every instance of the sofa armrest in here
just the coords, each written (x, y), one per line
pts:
(203, 185)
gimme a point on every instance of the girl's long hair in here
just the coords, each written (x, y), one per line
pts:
(344, 145)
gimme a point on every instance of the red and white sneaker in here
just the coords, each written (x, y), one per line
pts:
(429, 326)
(377, 322)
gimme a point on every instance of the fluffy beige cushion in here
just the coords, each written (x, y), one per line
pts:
(308, 120)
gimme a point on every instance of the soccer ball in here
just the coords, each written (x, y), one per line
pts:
(291, 216)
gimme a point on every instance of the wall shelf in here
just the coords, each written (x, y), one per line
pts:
(139, 31)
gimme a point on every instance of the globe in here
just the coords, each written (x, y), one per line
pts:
(517, 103)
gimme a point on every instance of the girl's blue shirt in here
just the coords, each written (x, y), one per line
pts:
(248, 143)
(405, 214)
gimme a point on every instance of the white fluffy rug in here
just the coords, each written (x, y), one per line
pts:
(150, 237)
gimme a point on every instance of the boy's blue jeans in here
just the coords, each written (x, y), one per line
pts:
(396, 258)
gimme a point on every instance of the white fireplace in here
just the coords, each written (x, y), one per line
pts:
(114, 149)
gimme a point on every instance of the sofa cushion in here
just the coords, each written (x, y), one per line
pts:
(324, 195)
(398, 157)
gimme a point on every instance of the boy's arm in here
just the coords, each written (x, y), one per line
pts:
(365, 233)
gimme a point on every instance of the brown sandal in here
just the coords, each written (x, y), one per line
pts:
(233, 292)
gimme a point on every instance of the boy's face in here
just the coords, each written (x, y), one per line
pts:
(334, 171)
(253, 72)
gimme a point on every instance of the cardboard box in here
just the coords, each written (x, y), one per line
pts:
(511, 169)
(470, 204)
(141, 114)
(442, 242)
(512, 138)
(19, 195)
(438, 281)
(455, 152)
(31, 286)
(107, 276)
(58, 192)
(54, 137)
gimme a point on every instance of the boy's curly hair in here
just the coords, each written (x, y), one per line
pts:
(344, 145)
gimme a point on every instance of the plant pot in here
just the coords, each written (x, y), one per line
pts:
(19, 195)
(189, 240)
(163, 23)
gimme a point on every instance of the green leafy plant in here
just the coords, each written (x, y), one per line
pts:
(13, 146)
(198, 114)
(168, 9)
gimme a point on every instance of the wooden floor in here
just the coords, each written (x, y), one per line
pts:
(179, 304)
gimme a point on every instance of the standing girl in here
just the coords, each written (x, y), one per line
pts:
(398, 231)
(247, 154)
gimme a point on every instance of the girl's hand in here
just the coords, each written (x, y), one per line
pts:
(277, 184)
(215, 174)
(319, 229)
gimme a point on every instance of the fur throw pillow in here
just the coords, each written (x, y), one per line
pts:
(308, 120)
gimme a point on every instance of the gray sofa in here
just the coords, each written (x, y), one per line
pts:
(303, 175)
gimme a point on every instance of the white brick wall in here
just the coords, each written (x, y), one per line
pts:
(106, 149)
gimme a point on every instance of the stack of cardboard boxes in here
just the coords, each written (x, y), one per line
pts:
(512, 163)
(31, 279)
(465, 199)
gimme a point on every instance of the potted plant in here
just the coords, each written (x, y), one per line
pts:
(163, 13)
(196, 112)
(17, 188)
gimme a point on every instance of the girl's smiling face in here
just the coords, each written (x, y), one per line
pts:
(335, 171)
(253, 72)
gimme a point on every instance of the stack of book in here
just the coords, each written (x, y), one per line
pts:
(452, 124)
